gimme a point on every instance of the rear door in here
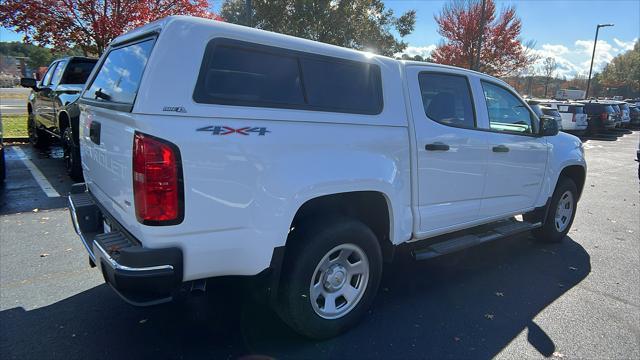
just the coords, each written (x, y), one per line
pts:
(107, 126)
(451, 152)
(517, 157)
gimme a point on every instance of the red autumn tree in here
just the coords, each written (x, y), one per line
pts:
(89, 24)
(461, 24)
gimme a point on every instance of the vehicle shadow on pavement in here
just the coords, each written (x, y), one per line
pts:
(20, 192)
(467, 305)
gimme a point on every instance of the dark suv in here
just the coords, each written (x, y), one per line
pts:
(600, 116)
(52, 108)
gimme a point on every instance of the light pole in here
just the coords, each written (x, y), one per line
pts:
(586, 95)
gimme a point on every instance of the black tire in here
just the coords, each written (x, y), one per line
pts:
(549, 232)
(308, 247)
(37, 137)
(71, 156)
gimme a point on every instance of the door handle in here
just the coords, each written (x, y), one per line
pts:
(500, 148)
(437, 146)
(94, 132)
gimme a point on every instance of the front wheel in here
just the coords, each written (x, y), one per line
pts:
(562, 211)
(331, 275)
(37, 137)
(71, 155)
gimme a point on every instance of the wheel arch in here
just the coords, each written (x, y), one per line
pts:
(63, 121)
(577, 174)
(373, 208)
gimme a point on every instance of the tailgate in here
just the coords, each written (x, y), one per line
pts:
(107, 127)
(106, 141)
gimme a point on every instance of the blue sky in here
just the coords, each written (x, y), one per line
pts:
(563, 30)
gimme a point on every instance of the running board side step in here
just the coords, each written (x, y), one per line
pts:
(482, 234)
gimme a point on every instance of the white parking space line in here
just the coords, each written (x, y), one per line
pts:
(45, 185)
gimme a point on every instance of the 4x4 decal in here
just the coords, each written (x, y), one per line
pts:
(225, 130)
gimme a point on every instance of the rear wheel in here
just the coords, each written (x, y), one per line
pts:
(562, 211)
(331, 275)
(71, 154)
(37, 137)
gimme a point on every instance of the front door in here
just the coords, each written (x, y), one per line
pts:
(517, 156)
(451, 152)
(44, 98)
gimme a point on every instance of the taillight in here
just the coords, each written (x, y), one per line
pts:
(157, 181)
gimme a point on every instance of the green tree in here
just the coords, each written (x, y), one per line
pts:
(37, 55)
(622, 75)
(358, 24)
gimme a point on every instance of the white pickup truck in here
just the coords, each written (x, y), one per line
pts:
(211, 149)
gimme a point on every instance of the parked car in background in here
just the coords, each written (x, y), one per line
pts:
(554, 114)
(195, 178)
(618, 114)
(541, 110)
(635, 102)
(624, 110)
(52, 108)
(634, 114)
(600, 115)
(535, 106)
(574, 118)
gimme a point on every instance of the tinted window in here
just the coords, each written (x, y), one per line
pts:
(551, 112)
(597, 109)
(46, 80)
(578, 109)
(119, 77)
(244, 74)
(506, 111)
(57, 75)
(447, 99)
(78, 71)
(342, 85)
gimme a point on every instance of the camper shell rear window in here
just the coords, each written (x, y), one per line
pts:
(246, 74)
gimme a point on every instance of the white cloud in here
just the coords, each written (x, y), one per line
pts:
(605, 52)
(572, 60)
(423, 51)
(625, 45)
(558, 52)
(555, 49)
(576, 60)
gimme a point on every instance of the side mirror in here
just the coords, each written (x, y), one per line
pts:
(548, 126)
(29, 83)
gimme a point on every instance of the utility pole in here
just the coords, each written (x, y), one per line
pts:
(247, 12)
(595, 42)
(477, 62)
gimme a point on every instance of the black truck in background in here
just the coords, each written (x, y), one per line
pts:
(53, 110)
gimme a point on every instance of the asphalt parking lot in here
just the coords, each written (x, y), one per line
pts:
(510, 299)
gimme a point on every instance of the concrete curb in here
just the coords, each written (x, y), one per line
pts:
(15, 140)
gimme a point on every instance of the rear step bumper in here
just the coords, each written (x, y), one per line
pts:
(141, 276)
